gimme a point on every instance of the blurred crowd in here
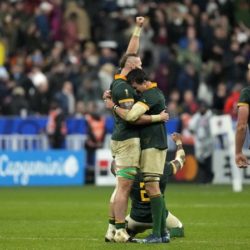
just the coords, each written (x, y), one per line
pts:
(68, 51)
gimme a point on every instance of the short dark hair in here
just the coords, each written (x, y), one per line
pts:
(125, 58)
(137, 75)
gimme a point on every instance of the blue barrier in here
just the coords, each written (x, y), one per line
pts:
(37, 125)
(42, 168)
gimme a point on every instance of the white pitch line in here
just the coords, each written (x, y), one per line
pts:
(209, 205)
(49, 238)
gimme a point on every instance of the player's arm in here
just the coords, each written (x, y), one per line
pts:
(136, 113)
(241, 128)
(146, 119)
(179, 160)
(134, 42)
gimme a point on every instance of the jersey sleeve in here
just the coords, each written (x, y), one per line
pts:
(146, 100)
(244, 97)
(124, 94)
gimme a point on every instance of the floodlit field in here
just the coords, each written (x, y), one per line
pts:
(76, 218)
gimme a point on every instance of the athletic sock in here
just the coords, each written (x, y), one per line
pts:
(119, 225)
(163, 217)
(156, 209)
(112, 221)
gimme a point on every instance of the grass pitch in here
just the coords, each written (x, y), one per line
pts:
(76, 218)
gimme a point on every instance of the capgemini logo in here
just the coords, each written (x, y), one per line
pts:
(22, 170)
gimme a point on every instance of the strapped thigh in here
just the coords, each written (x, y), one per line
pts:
(127, 173)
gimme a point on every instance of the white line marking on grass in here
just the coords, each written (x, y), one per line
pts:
(49, 238)
(232, 242)
(209, 205)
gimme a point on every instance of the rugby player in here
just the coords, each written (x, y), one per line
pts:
(125, 139)
(153, 141)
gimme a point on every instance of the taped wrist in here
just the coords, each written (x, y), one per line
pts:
(156, 118)
(178, 142)
(180, 157)
(179, 161)
(180, 154)
(115, 107)
(137, 31)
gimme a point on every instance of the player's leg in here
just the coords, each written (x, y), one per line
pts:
(152, 162)
(164, 231)
(134, 227)
(109, 236)
(126, 169)
(174, 225)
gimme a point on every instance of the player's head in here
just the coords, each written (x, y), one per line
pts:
(138, 79)
(131, 61)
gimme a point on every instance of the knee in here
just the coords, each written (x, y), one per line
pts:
(152, 184)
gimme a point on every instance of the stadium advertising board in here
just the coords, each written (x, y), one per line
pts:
(103, 175)
(222, 166)
(42, 168)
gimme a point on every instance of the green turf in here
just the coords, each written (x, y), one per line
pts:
(76, 218)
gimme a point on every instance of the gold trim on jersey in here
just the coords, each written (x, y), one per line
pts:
(242, 104)
(120, 76)
(152, 85)
(126, 100)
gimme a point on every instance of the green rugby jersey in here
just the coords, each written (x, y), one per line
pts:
(140, 203)
(245, 100)
(153, 135)
(122, 92)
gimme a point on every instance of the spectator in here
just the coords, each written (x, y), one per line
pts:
(189, 104)
(81, 17)
(95, 134)
(19, 104)
(230, 106)
(203, 142)
(105, 75)
(70, 32)
(219, 98)
(56, 18)
(188, 79)
(56, 126)
(66, 99)
(42, 20)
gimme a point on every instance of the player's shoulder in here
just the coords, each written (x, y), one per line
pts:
(244, 97)
(153, 94)
(119, 80)
(120, 85)
(245, 93)
(246, 90)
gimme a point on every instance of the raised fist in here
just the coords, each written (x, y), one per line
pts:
(139, 20)
(176, 137)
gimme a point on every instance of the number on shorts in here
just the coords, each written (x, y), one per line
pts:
(144, 196)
